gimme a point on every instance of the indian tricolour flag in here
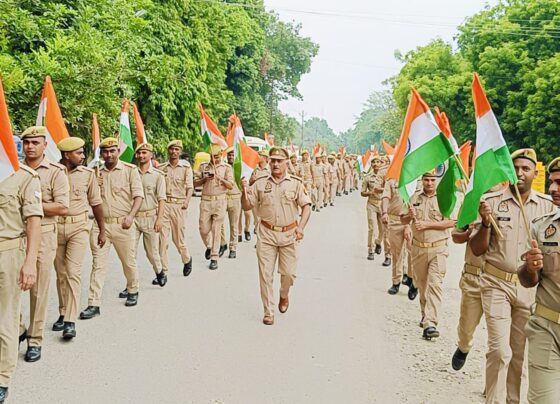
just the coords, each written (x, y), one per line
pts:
(493, 163)
(209, 131)
(8, 154)
(50, 117)
(365, 161)
(95, 141)
(141, 136)
(246, 159)
(421, 148)
(125, 137)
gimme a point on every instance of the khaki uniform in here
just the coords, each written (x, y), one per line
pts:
(153, 184)
(340, 167)
(327, 182)
(304, 172)
(400, 249)
(234, 216)
(178, 179)
(471, 300)
(333, 173)
(542, 330)
(318, 185)
(506, 303)
(54, 188)
(376, 229)
(277, 204)
(429, 253)
(347, 170)
(213, 205)
(20, 198)
(259, 172)
(119, 187)
(73, 238)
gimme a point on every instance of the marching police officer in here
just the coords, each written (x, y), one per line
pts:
(233, 210)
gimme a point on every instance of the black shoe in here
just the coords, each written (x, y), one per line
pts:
(155, 281)
(430, 333)
(232, 254)
(161, 279)
(345, 192)
(223, 249)
(187, 268)
(207, 253)
(387, 262)
(59, 324)
(406, 280)
(412, 292)
(131, 300)
(33, 354)
(247, 236)
(371, 256)
(239, 239)
(313, 208)
(458, 360)
(213, 264)
(90, 312)
(332, 204)
(393, 290)
(3, 394)
(123, 294)
(378, 249)
(69, 330)
(23, 336)
(254, 230)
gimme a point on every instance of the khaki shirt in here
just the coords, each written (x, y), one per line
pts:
(370, 182)
(427, 210)
(214, 187)
(304, 171)
(84, 190)
(278, 204)
(505, 253)
(333, 173)
(54, 186)
(470, 258)
(259, 172)
(20, 198)
(119, 187)
(396, 206)
(318, 172)
(546, 230)
(153, 184)
(178, 179)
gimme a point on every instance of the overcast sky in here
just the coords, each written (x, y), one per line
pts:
(358, 39)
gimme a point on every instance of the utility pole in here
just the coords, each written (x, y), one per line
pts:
(302, 122)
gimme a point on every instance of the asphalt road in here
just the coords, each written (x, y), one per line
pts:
(200, 339)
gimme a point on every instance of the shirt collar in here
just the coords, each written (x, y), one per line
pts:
(556, 215)
(508, 194)
(119, 166)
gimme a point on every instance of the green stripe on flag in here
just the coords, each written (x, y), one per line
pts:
(447, 188)
(125, 136)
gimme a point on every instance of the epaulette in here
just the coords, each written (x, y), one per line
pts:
(29, 170)
(128, 164)
(162, 165)
(260, 178)
(295, 177)
(543, 196)
(159, 171)
(493, 194)
(87, 169)
(538, 219)
(184, 163)
(58, 165)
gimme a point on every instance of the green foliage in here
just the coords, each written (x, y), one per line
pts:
(317, 130)
(165, 55)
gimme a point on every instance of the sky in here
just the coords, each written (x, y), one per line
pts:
(358, 40)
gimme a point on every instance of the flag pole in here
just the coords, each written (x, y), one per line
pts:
(523, 213)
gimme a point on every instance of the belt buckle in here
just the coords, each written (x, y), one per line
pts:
(277, 228)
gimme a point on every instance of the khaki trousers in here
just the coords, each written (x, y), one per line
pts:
(340, 186)
(174, 219)
(244, 216)
(470, 311)
(10, 308)
(151, 240)
(125, 246)
(543, 337)
(319, 194)
(73, 240)
(233, 212)
(267, 255)
(399, 250)
(39, 293)
(376, 229)
(429, 271)
(334, 187)
(347, 180)
(506, 309)
(212, 215)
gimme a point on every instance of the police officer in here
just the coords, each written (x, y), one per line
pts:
(215, 178)
(74, 231)
(122, 194)
(20, 220)
(261, 170)
(304, 171)
(149, 218)
(317, 171)
(505, 303)
(278, 199)
(55, 194)
(233, 210)
(334, 177)
(392, 208)
(179, 188)
(327, 180)
(347, 172)
(541, 266)
(340, 167)
(430, 232)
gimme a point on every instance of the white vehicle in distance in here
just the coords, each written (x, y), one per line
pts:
(255, 143)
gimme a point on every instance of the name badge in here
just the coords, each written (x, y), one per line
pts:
(504, 219)
(550, 244)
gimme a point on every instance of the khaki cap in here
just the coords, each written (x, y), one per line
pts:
(528, 154)
(229, 149)
(175, 143)
(34, 131)
(215, 149)
(263, 153)
(69, 144)
(332, 157)
(304, 151)
(144, 146)
(554, 165)
(109, 142)
(432, 173)
(278, 153)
